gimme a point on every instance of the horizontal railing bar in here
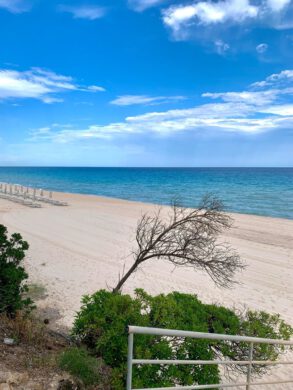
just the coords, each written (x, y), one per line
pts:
(223, 385)
(211, 362)
(201, 335)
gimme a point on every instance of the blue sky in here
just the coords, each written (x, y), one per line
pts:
(146, 82)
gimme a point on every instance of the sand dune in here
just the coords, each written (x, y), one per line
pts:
(78, 249)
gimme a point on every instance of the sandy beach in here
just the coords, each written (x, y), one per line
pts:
(81, 248)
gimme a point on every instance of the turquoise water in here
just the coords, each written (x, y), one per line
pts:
(261, 191)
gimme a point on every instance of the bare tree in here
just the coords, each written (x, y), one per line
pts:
(187, 237)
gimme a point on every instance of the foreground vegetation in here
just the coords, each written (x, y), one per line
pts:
(102, 326)
(12, 274)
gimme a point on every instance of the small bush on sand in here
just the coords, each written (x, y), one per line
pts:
(81, 365)
(102, 326)
(12, 274)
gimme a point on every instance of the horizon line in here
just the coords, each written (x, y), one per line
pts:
(146, 167)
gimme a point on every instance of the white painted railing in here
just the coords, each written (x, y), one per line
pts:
(209, 336)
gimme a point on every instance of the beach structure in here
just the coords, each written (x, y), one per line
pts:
(27, 196)
(247, 384)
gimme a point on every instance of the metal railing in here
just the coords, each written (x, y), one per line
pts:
(209, 336)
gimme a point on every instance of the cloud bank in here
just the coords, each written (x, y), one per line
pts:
(264, 106)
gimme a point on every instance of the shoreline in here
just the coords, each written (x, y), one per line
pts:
(162, 204)
(152, 204)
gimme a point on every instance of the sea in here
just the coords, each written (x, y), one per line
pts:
(259, 191)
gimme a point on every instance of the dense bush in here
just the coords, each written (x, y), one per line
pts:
(102, 326)
(12, 274)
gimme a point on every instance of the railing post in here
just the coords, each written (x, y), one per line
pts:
(248, 380)
(129, 361)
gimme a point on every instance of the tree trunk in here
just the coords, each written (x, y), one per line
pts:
(125, 277)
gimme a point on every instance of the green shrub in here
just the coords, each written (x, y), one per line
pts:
(12, 274)
(102, 326)
(81, 365)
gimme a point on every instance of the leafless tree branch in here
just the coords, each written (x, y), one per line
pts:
(189, 238)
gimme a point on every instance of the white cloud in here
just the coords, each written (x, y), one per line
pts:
(221, 47)
(275, 79)
(15, 6)
(262, 48)
(203, 111)
(284, 75)
(130, 100)
(281, 110)
(171, 124)
(205, 13)
(96, 88)
(90, 12)
(141, 5)
(44, 130)
(247, 112)
(256, 98)
(19, 85)
(63, 134)
(36, 84)
(191, 19)
(278, 5)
